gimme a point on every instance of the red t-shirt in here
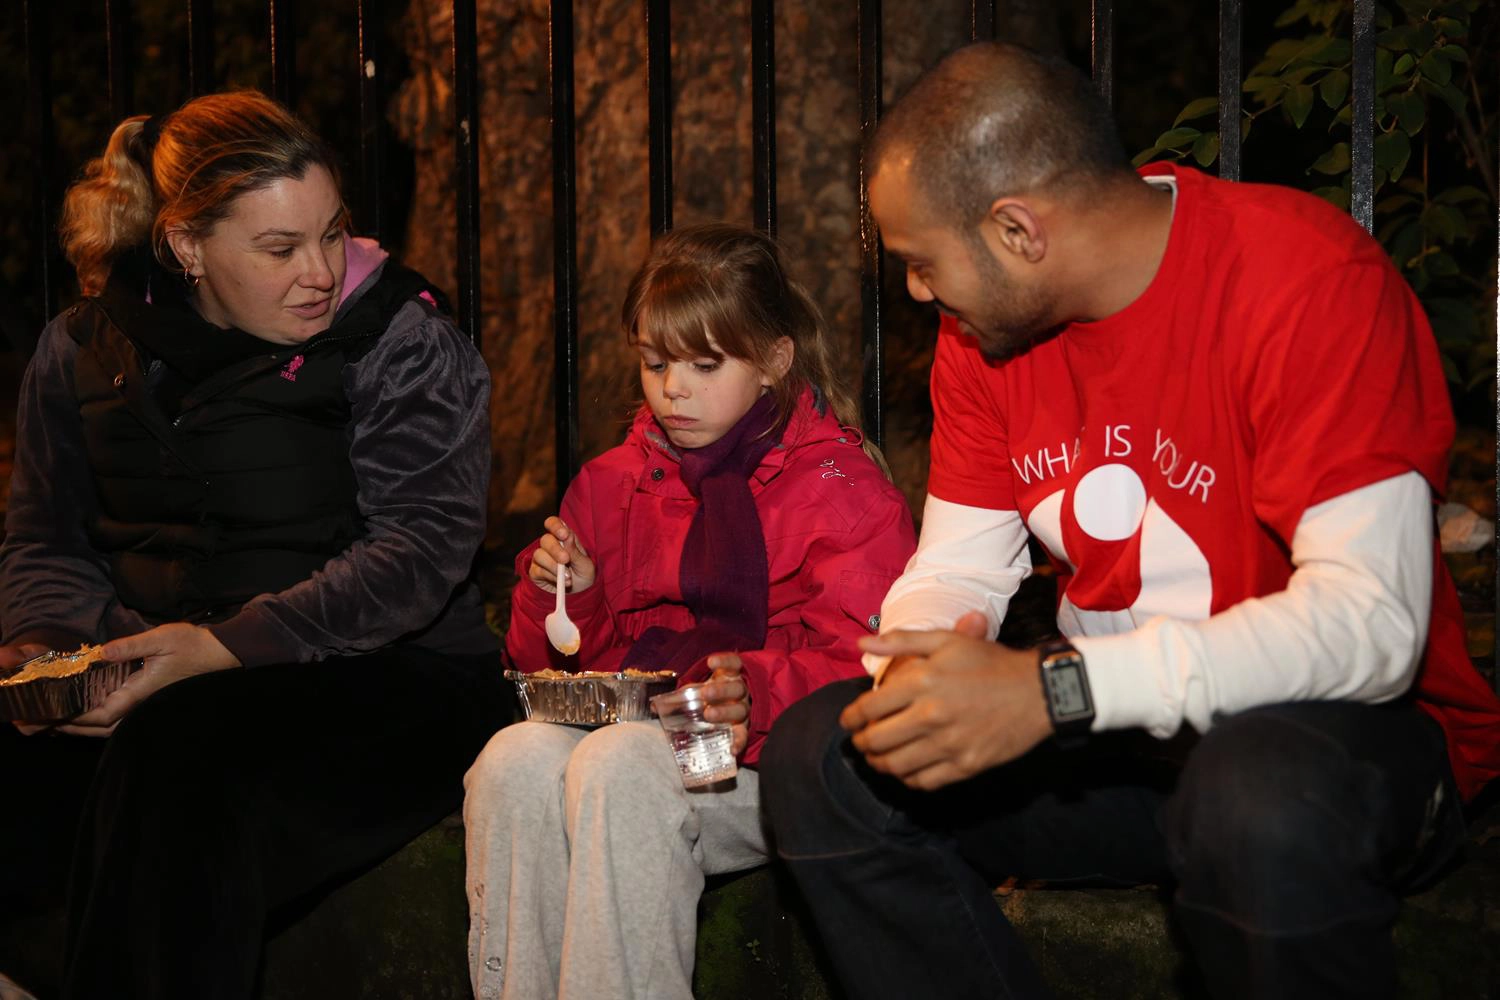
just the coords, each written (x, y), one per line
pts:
(1164, 455)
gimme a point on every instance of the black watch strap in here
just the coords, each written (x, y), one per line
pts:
(1065, 684)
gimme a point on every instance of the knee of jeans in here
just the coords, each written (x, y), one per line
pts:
(813, 795)
(1266, 812)
(518, 757)
(622, 758)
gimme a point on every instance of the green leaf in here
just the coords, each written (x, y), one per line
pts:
(1392, 150)
(1451, 95)
(1335, 196)
(1436, 68)
(1177, 138)
(1299, 102)
(1245, 124)
(1197, 109)
(1255, 83)
(1410, 110)
(1394, 203)
(1404, 65)
(1455, 52)
(1441, 265)
(1206, 148)
(1397, 39)
(1460, 195)
(1335, 161)
(1334, 88)
(1442, 223)
(1451, 27)
(1384, 73)
(1144, 156)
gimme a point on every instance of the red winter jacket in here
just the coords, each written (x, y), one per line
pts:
(837, 535)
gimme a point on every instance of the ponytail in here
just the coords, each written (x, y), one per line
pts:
(111, 209)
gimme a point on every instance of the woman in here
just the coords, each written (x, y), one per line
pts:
(255, 456)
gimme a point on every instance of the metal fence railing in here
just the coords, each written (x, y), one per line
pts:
(656, 15)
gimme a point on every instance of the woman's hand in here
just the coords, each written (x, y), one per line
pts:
(561, 546)
(728, 698)
(171, 652)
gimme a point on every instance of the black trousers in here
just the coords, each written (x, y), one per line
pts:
(226, 795)
(1287, 834)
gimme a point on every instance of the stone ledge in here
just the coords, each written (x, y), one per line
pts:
(399, 931)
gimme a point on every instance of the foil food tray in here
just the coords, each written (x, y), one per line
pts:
(592, 699)
(49, 699)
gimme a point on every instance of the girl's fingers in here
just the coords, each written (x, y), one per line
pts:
(557, 550)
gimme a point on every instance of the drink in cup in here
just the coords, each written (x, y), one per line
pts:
(702, 748)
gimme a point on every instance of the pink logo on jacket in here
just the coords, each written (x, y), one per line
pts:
(289, 370)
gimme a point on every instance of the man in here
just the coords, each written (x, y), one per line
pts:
(1220, 410)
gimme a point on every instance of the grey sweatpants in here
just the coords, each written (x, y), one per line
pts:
(586, 858)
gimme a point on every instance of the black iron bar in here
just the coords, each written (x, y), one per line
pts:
(1231, 70)
(872, 254)
(763, 111)
(564, 246)
(1362, 122)
(371, 122)
(981, 20)
(466, 164)
(1102, 35)
(200, 47)
(283, 53)
(1495, 664)
(117, 28)
(659, 111)
(37, 14)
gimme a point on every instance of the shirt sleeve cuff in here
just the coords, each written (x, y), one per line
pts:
(1126, 694)
(252, 640)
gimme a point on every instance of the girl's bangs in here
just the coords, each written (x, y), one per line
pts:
(678, 321)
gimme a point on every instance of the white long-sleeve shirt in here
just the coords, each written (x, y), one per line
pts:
(1351, 623)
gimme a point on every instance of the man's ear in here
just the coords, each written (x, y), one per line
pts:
(1013, 226)
(185, 248)
(781, 361)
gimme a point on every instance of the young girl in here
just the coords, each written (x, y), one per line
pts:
(740, 534)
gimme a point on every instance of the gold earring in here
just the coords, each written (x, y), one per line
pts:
(191, 279)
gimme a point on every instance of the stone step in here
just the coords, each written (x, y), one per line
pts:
(399, 931)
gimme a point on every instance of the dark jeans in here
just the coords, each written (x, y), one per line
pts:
(226, 795)
(1288, 834)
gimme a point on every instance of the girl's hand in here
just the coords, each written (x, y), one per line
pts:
(561, 546)
(728, 698)
(171, 652)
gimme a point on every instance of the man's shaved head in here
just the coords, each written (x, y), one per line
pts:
(992, 120)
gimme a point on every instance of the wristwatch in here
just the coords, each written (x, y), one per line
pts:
(1065, 682)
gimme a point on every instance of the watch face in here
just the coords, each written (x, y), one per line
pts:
(1065, 689)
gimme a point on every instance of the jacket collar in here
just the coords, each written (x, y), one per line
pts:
(810, 423)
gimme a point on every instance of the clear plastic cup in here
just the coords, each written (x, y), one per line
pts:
(702, 748)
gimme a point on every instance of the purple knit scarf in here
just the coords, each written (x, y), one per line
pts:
(723, 572)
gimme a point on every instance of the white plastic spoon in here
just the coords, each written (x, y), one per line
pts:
(561, 631)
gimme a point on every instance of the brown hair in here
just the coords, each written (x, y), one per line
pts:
(181, 172)
(730, 284)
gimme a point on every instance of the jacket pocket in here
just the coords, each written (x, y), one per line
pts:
(860, 596)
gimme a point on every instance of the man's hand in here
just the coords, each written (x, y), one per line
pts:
(728, 698)
(957, 705)
(171, 652)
